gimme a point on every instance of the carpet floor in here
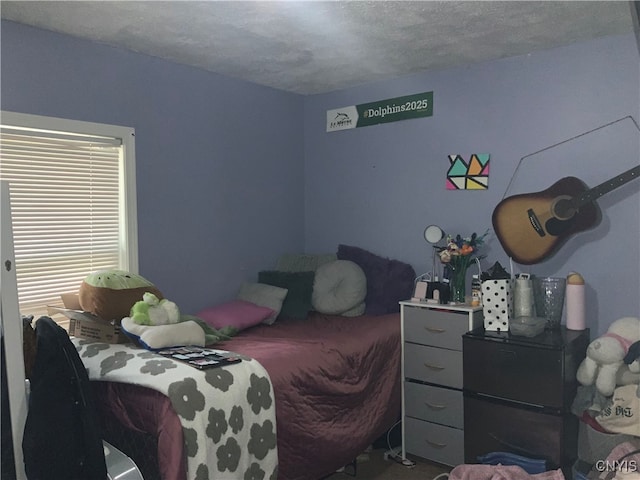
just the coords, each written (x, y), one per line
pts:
(372, 466)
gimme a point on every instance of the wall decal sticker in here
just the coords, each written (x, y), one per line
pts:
(471, 175)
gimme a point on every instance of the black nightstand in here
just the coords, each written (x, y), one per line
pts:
(518, 393)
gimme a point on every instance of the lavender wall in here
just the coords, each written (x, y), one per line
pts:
(223, 190)
(379, 186)
(219, 161)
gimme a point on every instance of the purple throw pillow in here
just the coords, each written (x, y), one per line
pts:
(401, 281)
(388, 281)
(239, 314)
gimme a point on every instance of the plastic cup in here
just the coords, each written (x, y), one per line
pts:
(548, 296)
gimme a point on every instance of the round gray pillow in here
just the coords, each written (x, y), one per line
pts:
(339, 286)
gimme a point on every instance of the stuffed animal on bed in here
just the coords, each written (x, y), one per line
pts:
(110, 294)
(157, 324)
(153, 311)
(606, 356)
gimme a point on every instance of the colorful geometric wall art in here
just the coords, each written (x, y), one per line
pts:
(471, 175)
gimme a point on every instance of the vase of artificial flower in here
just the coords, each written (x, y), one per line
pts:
(457, 256)
(458, 278)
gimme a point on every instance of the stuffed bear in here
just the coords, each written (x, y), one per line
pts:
(153, 311)
(606, 354)
(110, 294)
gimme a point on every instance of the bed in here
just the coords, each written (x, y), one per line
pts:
(323, 344)
(336, 385)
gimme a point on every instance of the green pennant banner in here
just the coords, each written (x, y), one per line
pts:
(383, 111)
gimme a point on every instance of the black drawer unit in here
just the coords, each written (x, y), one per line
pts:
(518, 393)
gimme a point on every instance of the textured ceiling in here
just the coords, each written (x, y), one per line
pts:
(312, 47)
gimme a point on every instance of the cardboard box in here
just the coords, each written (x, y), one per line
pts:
(86, 325)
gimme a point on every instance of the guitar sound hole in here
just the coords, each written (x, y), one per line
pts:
(562, 208)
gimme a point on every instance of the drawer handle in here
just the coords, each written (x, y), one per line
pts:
(435, 330)
(434, 367)
(434, 406)
(435, 444)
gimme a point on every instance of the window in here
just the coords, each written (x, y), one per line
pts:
(73, 203)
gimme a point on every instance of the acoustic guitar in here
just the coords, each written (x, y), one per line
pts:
(532, 226)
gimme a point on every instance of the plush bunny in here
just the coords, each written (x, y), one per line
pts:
(606, 355)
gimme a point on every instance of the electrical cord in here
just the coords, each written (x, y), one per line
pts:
(424, 277)
(442, 475)
(392, 454)
(389, 434)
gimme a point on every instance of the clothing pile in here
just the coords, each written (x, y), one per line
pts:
(608, 434)
(500, 472)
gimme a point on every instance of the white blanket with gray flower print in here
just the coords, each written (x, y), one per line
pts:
(227, 413)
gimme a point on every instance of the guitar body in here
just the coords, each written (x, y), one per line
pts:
(532, 226)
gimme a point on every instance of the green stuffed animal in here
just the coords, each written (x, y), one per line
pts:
(152, 311)
(110, 294)
(173, 328)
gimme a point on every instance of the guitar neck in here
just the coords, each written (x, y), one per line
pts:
(605, 187)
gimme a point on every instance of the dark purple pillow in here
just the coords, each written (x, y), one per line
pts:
(400, 285)
(388, 281)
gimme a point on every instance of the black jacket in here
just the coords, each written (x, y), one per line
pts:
(61, 439)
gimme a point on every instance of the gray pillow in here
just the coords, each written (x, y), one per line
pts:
(339, 286)
(264, 295)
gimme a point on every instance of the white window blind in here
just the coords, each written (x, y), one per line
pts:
(69, 208)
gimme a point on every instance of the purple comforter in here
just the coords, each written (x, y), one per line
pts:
(337, 388)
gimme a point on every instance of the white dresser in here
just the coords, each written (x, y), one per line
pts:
(432, 401)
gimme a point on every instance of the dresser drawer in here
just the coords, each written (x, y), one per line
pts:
(434, 404)
(514, 372)
(427, 326)
(433, 365)
(435, 442)
(493, 426)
